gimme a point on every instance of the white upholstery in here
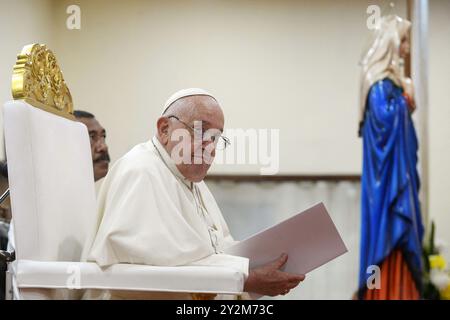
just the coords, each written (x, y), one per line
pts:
(53, 207)
(36, 274)
(51, 183)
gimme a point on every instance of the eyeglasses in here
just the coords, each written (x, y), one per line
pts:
(220, 142)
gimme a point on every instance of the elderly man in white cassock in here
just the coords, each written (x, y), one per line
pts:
(155, 209)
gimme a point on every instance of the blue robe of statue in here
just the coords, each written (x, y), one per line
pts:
(391, 217)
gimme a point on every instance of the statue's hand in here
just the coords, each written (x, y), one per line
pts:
(408, 93)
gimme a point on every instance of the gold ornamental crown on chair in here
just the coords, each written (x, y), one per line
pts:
(38, 80)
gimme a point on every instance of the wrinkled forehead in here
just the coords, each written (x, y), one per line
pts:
(204, 108)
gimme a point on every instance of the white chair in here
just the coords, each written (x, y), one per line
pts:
(54, 211)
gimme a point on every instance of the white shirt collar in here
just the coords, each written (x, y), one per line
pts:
(168, 161)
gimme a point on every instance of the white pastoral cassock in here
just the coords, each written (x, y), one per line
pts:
(148, 213)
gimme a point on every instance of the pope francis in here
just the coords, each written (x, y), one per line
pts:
(155, 209)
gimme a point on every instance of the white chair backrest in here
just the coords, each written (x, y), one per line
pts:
(51, 183)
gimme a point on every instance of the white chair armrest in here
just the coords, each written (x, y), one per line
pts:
(193, 279)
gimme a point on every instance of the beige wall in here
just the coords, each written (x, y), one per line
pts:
(273, 64)
(289, 65)
(439, 118)
(21, 22)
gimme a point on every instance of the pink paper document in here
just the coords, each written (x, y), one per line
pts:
(310, 238)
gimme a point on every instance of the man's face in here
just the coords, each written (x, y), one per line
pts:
(206, 117)
(99, 149)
